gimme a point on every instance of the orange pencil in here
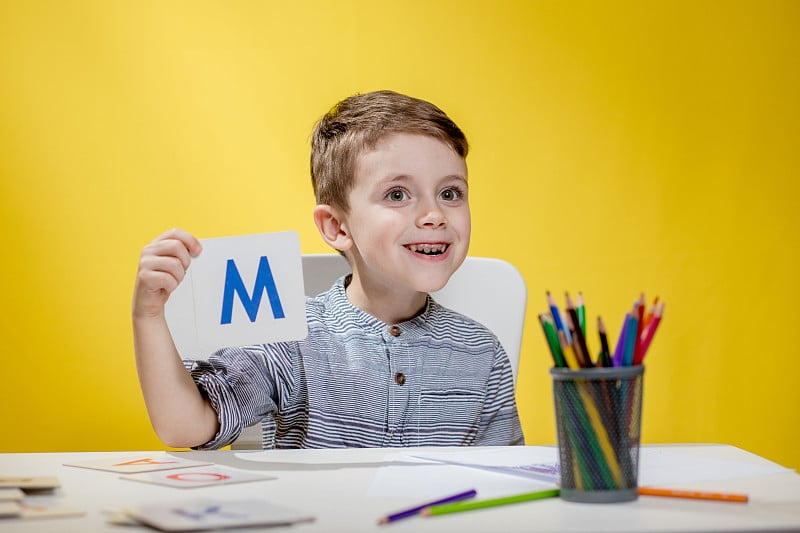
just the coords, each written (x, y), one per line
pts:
(650, 313)
(694, 494)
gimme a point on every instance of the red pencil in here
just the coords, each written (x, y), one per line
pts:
(637, 346)
(651, 330)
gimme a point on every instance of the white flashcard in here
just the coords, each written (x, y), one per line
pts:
(239, 291)
(138, 463)
(197, 477)
(48, 511)
(10, 509)
(11, 494)
(30, 483)
(205, 514)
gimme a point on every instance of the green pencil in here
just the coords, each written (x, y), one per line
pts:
(552, 339)
(482, 504)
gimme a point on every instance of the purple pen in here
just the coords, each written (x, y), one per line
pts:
(416, 510)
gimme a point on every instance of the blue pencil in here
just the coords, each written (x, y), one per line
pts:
(619, 350)
(557, 317)
(416, 510)
(630, 340)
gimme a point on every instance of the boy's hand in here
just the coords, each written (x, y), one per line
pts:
(162, 266)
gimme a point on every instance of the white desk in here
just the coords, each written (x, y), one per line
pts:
(338, 487)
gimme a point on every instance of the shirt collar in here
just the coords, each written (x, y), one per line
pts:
(417, 326)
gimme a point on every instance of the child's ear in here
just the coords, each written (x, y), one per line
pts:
(332, 227)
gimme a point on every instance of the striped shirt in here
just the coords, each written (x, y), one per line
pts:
(439, 379)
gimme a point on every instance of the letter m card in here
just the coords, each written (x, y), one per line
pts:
(241, 290)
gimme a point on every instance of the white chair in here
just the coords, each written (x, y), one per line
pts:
(488, 290)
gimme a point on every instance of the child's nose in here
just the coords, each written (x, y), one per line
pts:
(432, 216)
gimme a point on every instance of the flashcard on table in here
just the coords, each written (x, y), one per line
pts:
(49, 511)
(30, 483)
(138, 463)
(205, 514)
(11, 494)
(197, 477)
(240, 290)
(10, 509)
(120, 516)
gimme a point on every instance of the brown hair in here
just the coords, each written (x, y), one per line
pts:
(356, 124)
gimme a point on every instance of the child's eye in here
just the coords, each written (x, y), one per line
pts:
(397, 195)
(449, 195)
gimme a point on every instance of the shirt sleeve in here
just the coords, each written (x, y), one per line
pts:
(243, 385)
(499, 422)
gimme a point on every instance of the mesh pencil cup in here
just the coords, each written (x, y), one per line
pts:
(598, 419)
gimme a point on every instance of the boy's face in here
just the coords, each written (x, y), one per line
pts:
(409, 217)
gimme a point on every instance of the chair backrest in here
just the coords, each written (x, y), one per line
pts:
(488, 290)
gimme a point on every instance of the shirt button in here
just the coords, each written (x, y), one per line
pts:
(400, 378)
(395, 331)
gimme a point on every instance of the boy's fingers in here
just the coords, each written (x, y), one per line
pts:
(166, 246)
(166, 264)
(157, 281)
(162, 266)
(189, 241)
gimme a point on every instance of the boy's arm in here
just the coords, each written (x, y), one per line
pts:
(500, 424)
(179, 413)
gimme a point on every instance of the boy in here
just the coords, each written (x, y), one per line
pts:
(383, 364)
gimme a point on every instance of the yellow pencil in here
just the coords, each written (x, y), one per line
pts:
(566, 350)
(602, 436)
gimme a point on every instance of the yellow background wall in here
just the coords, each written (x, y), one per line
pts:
(618, 147)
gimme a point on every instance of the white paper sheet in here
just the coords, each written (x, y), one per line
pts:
(498, 472)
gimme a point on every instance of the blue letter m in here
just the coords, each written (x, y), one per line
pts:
(264, 281)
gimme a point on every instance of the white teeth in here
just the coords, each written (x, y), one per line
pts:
(427, 248)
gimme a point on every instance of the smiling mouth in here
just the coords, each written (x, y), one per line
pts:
(428, 249)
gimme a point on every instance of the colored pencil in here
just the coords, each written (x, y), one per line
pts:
(495, 502)
(651, 330)
(650, 312)
(592, 470)
(620, 347)
(581, 309)
(417, 509)
(551, 335)
(630, 340)
(569, 355)
(578, 342)
(551, 302)
(601, 435)
(637, 344)
(579, 337)
(605, 353)
(694, 494)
